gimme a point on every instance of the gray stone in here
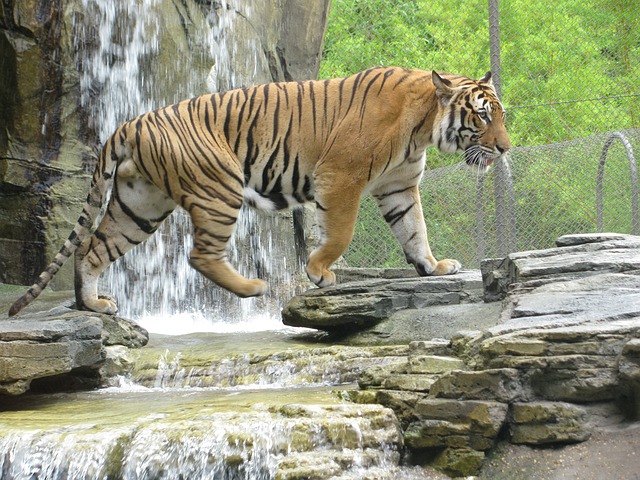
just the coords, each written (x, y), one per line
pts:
(503, 385)
(120, 331)
(435, 346)
(540, 423)
(576, 385)
(376, 375)
(363, 304)
(629, 372)
(33, 349)
(410, 382)
(117, 364)
(495, 278)
(433, 364)
(585, 238)
(452, 423)
(580, 256)
(60, 342)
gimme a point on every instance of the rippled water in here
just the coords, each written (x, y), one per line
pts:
(148, 433)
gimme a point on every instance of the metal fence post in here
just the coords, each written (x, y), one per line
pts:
(494, 45)
(633, 172)
(502, 178)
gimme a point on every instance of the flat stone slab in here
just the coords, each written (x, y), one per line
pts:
(58, 342)
(365, 303)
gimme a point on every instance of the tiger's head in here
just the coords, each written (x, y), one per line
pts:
(470, 119)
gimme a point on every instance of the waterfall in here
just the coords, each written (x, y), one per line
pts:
(121, 53)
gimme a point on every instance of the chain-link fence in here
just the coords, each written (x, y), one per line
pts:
(568, 75)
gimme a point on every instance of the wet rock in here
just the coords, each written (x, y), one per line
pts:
(351, 436)
(376, 375)
(32, 349)
(204, 367)
(459, 462)
(58, 343)
(539, 423)
(118, 363)
(403, 403)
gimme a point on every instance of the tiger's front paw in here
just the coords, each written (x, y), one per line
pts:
(447, 267)
(443, 267)
(323, 278)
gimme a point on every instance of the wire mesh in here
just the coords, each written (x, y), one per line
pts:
(568, 78)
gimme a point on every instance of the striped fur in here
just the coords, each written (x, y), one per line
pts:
(275, 146)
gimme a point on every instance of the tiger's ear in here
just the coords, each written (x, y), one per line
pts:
(443, 90)
(487, 79)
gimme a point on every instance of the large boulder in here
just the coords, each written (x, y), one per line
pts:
(396, 306)
(563, 347)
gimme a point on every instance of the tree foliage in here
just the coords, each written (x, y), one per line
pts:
(569, 68)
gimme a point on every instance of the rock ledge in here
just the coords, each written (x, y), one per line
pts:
(65, 346)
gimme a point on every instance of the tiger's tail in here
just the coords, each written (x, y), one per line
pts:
(100, 184)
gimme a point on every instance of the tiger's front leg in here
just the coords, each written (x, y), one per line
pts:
(402, 210)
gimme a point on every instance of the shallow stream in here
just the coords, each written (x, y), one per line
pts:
(190, 409)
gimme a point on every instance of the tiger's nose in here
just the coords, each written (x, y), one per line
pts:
(504, 146)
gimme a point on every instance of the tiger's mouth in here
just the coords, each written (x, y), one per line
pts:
(479, 157)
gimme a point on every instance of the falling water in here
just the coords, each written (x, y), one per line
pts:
(120, 49)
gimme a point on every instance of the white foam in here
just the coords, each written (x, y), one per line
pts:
(195, 322)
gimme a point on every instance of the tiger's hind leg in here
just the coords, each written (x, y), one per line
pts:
(402, 211)
(136, 210)
(336, 212)
(214, 210)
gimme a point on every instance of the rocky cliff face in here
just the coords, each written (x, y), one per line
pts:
(61, 62)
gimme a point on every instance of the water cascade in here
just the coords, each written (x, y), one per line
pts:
(190, 435)
(121, 51)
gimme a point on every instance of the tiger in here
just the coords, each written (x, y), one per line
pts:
(276, 146)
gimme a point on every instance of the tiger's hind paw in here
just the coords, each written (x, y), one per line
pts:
(250, 288)
(103, 304)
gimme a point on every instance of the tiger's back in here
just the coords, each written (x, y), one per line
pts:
(276, 132)
(282, 144)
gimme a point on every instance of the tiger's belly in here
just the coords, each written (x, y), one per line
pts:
(273, 200)
(279, 184)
